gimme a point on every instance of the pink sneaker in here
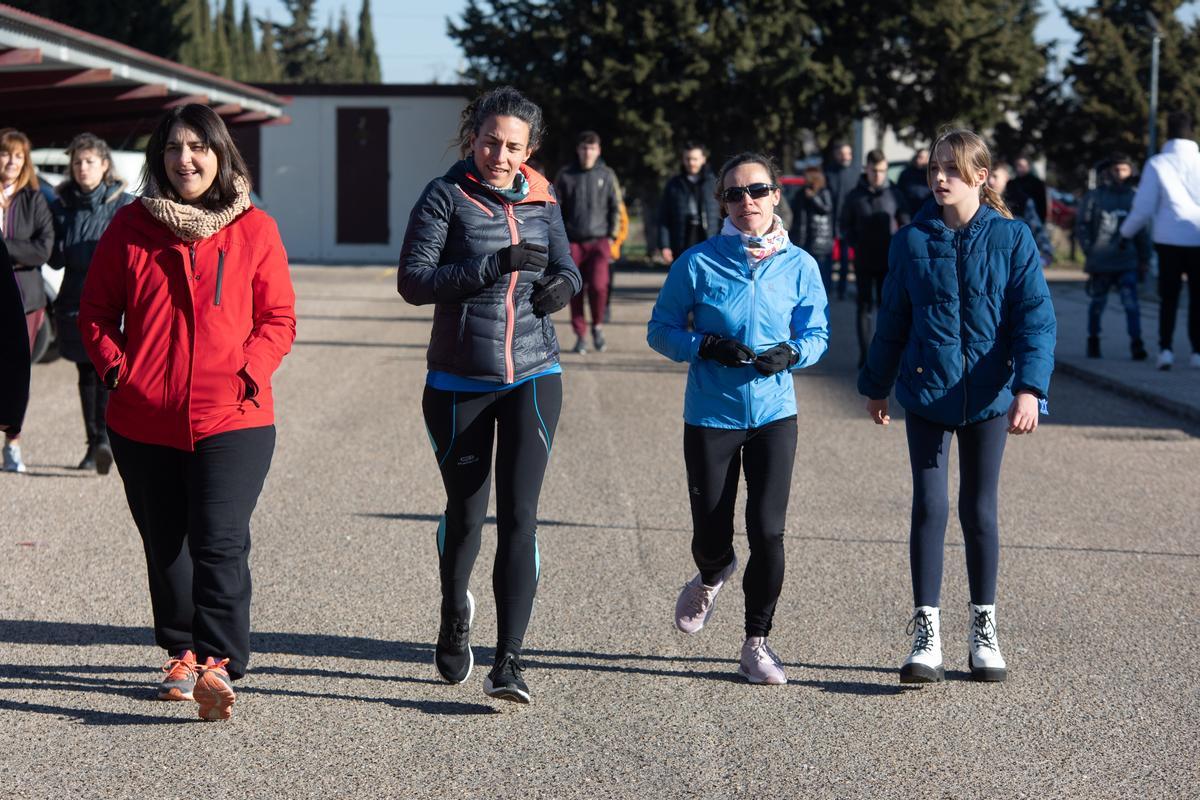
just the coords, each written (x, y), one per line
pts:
(697, 600)
(759, 664)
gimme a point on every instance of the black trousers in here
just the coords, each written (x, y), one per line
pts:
(870, 296)
(193, 512)
(1173, 263)
(93, 400)
(463, 427)
(714, 457)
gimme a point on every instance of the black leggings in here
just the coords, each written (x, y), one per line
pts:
(1174, 263)
(980, 451)
(713, 457)
(462, 428)
(193, 512)
(93, 399)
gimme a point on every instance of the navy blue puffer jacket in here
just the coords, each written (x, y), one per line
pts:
(483, 323)
(966, 319)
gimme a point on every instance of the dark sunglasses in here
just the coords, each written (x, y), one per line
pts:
(757, 191)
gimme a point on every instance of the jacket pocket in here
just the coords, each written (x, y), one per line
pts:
(220, 277)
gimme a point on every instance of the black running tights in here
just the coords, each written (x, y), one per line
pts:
(714, 456)
(463, 426)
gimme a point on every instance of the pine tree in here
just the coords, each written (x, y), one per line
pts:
(233, 38)
(269, 70)
(197, 47)
(345, 65)
(221, 62)
(367, 55)
(299, 45)
(250, 58)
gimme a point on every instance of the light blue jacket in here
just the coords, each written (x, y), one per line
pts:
(780, 300)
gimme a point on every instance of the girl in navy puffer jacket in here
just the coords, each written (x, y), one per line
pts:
(966, 334)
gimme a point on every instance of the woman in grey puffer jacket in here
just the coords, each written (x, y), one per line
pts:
(86, 203)
(486, 244)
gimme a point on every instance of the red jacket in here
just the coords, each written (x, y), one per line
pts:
(195, 316)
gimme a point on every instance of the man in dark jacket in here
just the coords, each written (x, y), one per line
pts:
(841, 176)
(914, 182)
(591, 206)
(1022, 207)
(1112, 260)
(871, 214)
(1033, 186)
(688, 212)
(14, 349)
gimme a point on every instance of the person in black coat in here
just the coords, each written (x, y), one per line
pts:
(812, 226)
(14, 349)
(914, 182)
(688, 212)
(1033, 186)
(841, 176)
(873, 212)
(85, 204)
(28, 232)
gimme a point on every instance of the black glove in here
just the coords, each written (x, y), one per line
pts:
(522, 255)
(550, 293)
(777, 359)
(726, 352)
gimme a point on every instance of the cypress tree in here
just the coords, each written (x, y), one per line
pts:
(299, 45)
(367, 55)
(269, 70)
(250, 60)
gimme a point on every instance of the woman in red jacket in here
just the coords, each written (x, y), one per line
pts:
(201, 279)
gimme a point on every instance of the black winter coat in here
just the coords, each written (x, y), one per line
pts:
(79, 221)
(590, 201)
(483, 323)
(29, 237)
(680, 199)
(914, 185)
(841, 182)
(812, 229)
(869, 219)
(14, 348)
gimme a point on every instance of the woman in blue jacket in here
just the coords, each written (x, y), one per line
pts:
(759, 311)
(486, 245)
(966, 334)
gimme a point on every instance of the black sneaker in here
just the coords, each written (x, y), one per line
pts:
(453, 657)
(1093, 347)
(1138, 350)
(504, 681)
(580, 348)
(598, 339)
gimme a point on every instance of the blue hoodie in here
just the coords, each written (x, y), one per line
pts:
(780, 300)
(966, 319)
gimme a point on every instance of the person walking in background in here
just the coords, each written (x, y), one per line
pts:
(1112, 261)
(591, 211)
(688, 212)
(812, 228)
(1022, 207)
(914, 182)
(486, 244)
(86, 203)
(14, 348)
(841, 176)
(187, 311)
(968, 328)
(1169, 196)
(758, 312)
(871, 214)
(1033, 187)
(27, 228)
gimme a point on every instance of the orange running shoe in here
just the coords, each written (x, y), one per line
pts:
(214, 691)
(181, 677)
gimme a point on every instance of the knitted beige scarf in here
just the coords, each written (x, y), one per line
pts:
(193, 223)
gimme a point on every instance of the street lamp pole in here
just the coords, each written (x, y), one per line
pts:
(1154, 46)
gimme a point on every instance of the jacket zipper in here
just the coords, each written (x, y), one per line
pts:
(220, 276)
(962, 319)
(750, 344)
(510, 312)
(192, 253)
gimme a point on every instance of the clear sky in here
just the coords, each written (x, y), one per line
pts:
(414, 48)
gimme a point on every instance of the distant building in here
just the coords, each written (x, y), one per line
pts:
(343, 177)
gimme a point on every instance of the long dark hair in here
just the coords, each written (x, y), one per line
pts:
(503, 101)
(211, 129)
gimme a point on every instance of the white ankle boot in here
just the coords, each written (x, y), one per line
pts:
(985, 660)
(924, 663)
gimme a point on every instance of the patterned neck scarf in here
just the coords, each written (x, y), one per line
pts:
(762, 247)
(513, 194)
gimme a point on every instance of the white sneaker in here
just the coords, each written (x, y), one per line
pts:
(984, 654)
(697, 600)
(12, 458)
(759, 664)
(924, 663)
(1165, 359)
(1195, 361)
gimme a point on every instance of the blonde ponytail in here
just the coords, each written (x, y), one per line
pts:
(989, 196)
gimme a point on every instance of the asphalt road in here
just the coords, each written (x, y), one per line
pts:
(1099, 582)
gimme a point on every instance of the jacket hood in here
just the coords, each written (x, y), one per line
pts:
(539, 185)
(74, 197)
(929, 219)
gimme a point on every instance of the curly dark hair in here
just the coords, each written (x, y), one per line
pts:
(503, 101)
